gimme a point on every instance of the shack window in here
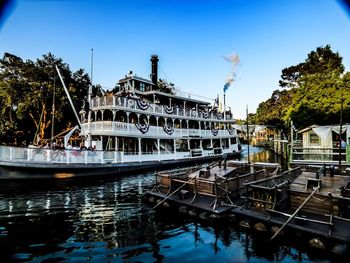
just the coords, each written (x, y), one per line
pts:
(314, 138)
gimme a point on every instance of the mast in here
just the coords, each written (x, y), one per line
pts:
(224, 105)
(91, 75)
(89, 143)
(53, 110)
(341, 128)
(69, 98)
(247, 133)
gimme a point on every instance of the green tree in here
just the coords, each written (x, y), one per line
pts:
(311, 93)
(26, 96)
(317, 85)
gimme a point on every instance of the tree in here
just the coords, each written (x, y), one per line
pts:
(26, 96)
(273, 111)
(311, 93)
(164, 86)
(317, 85)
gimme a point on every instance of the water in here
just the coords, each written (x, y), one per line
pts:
(106, 221)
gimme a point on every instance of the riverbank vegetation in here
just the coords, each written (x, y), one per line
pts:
(311, 92)
(27, 92)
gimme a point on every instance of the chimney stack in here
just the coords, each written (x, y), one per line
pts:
(154, 74)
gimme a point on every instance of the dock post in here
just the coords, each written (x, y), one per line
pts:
(246, 193)
(216, 193)
(275, 197)
(195, 190)
(331, 211)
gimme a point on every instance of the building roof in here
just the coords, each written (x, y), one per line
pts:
(135, 77)
(332, 126)
(158, 93)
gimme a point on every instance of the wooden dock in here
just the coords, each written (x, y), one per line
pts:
(309, 201)
(215, 188)
(339, 232)
(326, 201)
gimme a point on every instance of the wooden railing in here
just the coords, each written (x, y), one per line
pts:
(318, 154)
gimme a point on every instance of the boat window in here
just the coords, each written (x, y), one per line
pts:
(142, 87)
(233, 140)
(314, 138)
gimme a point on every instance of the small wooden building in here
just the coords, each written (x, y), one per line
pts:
(323, 143)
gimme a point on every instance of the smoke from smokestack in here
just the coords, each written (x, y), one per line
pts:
(234, 60)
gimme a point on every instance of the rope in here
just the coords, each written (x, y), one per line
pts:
(174, 191)
(295, 213)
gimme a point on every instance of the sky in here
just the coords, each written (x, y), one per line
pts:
(191, 38)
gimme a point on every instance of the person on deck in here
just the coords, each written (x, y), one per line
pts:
(342, 144)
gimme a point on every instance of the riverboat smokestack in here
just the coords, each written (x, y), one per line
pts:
(154, 74)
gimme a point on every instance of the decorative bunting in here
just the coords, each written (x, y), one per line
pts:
(168, 109)
(142, 104)
(168, 129)
(214, 131)
(230, 131)
(142, 127)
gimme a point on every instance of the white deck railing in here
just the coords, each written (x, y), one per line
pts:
(123, 102)
(45, 155)
(127, 129)
(318, 154)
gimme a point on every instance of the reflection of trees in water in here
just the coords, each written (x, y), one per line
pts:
(264, 154)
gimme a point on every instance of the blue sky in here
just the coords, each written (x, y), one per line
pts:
(190, 37)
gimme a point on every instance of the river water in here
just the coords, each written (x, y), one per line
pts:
(106, 221)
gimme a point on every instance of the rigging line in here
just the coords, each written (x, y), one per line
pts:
(187, 93)
(147, 70)
(166, 76)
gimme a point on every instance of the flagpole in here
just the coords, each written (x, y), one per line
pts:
(247, 134)
(224, 106)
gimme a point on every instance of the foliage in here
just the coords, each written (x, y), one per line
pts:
(312, 92)
(26, 97)
(164, 86)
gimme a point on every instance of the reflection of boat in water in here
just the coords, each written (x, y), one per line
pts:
(215, 188)
(136, 128)
(312, 202)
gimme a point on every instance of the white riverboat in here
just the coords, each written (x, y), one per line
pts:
(136, 128)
